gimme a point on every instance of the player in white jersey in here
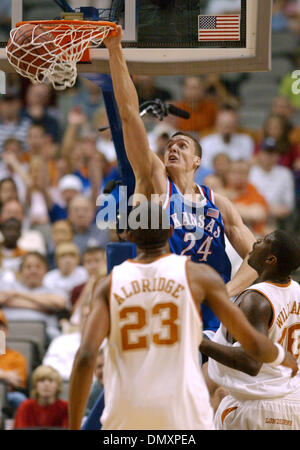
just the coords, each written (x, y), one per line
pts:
(149, 309)
(261, 396)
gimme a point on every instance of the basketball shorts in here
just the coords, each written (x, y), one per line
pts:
(272, 414)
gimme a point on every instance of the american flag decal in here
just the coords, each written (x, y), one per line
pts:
(212, 213)
(219, 28)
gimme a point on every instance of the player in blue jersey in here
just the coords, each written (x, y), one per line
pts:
(194, 210)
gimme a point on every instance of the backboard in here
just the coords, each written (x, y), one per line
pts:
(169, 37)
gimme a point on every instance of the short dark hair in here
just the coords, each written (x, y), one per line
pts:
(151, 237)
(92, 250)
(38, 255)
(197, 146)
(287, 251)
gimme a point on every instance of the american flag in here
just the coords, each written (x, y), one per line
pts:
(219, 28)
(212, 213)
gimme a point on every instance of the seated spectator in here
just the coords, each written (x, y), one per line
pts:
(81, 214)
(37, 102)
(274, 182)
(28, 298)
(68, 186)
(61, 233)
(30, 240)
(147, 89)
(278, 128)
(68, 274)
(13, 370)
(44, 408)
(217, 180)
(8, 190)
(226, 139)
(104, 141)
(62, 350)
(11, 254)
(97, 386)
(11, 122)
(11, 165)
(202, 111)
(94, 261)
(251, 205)
(218, 91)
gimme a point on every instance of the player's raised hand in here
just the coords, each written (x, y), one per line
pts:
(290, 362)
(114, 40)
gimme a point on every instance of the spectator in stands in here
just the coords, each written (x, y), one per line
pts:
(97, 386)
(13, 370)
(217, 179)
(11, 122)
(202, 111)
(218, 91)
(81, 214)
(94, 261)
(68, 273)
(28, 299)
(251, 205)
(11, 163)
(226, 139)
(62, 350)
(148, 90)
(281, 106)
(30, 240)
(44, 408)
(278, 128)
(68, 186)
(61, 233)
(11, 253)
(8, 190)
(274, 182)
(37, 102)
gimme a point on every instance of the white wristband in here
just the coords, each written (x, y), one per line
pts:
(280, 356)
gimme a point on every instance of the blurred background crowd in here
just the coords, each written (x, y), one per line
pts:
(54, 162)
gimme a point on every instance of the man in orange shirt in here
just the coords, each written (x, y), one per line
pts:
(13, 370)
(202, 111)
(251, 205)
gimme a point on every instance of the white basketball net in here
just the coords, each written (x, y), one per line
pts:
(54, 58)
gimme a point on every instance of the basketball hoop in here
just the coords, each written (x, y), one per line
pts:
(48, 50)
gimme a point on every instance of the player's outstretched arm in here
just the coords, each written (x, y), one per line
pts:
(242, 240)
(207, 284)
(143, 160)
(95, 330)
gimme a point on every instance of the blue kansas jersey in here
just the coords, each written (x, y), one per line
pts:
(198, 233)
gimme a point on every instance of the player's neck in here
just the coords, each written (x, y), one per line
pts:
(148, 256)
(274, 278)
(184, 181)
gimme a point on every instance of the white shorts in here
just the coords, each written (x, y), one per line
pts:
(272, 414)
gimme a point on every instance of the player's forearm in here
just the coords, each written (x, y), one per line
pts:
(124, 89)
(233, 357)
(244, 277)
(80, 383)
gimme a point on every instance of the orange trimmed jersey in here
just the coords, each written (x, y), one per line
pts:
(152, 375)
(284, 329)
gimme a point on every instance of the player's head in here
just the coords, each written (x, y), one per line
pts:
(278, 253)
(183, 152)
(149, 226)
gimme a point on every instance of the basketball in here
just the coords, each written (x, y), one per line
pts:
(26, 55)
